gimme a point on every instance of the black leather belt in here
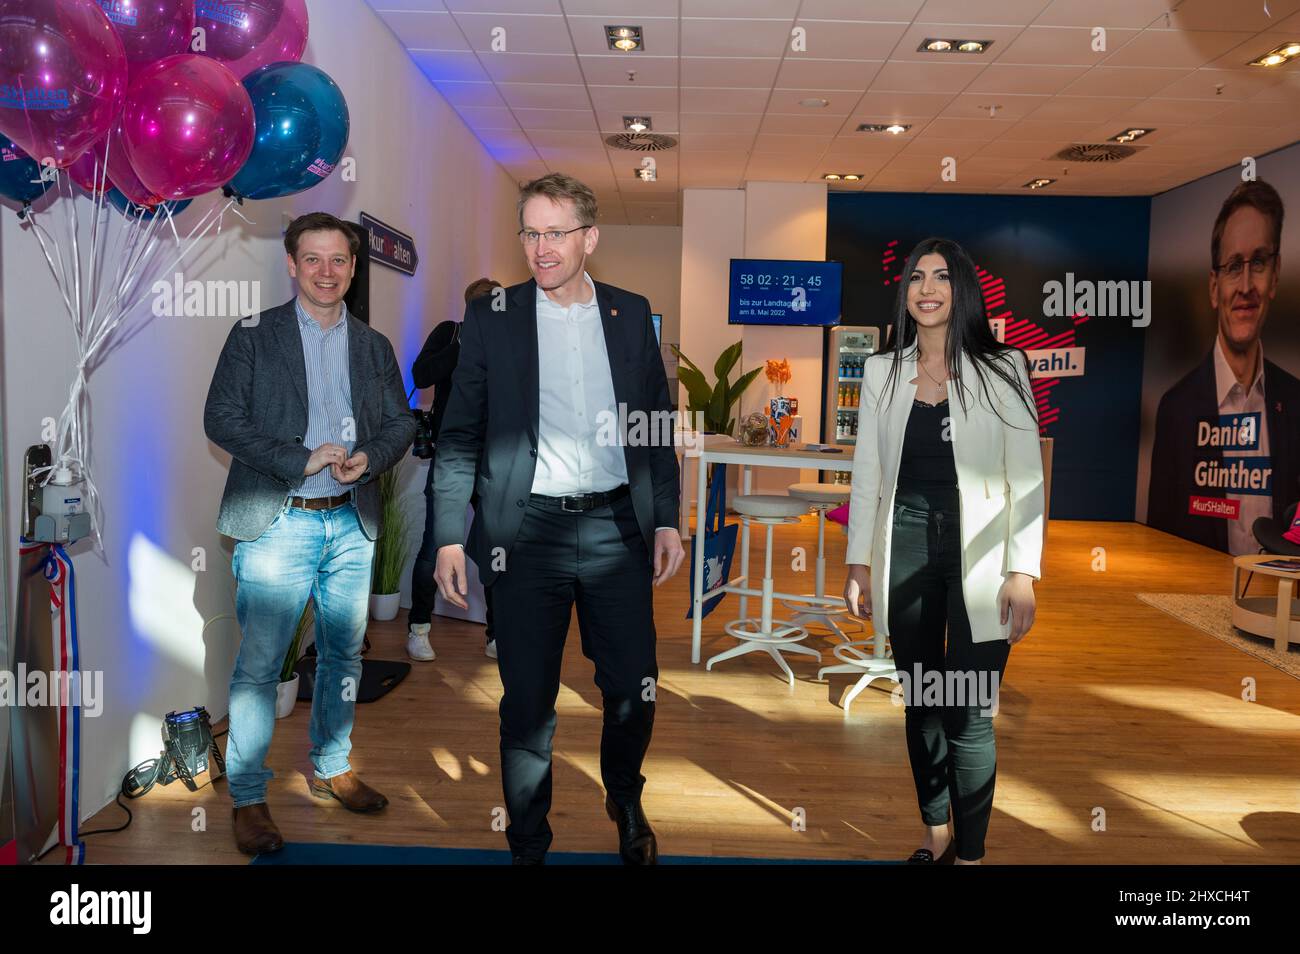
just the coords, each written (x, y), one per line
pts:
(319, 503)
(579, 503)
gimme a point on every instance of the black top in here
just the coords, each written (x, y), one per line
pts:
(435, 364)
(927, 462)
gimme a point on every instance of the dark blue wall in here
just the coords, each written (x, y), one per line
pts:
(1027, 241)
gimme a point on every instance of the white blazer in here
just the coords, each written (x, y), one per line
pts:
(999, 479)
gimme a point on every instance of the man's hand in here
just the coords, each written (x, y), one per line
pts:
(345, 472)
(327, 455)
(857, 590)
(668, 554)
(1017, 598)
(450, 575)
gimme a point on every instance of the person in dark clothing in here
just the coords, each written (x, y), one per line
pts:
(433, 369)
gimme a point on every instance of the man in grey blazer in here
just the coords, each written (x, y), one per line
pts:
(308, 402)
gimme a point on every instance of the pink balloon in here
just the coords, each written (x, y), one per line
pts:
(88, 170)
(63, 76)
(151, 29)
(187, 126)
(248, 34)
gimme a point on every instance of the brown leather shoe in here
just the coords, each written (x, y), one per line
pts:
(255, 833)
(355, 794)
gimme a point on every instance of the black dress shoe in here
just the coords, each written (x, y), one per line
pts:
(924, 856)
(636, 840)
(528, 859)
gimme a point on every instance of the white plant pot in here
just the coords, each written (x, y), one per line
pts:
(286, 694)
(384, 606)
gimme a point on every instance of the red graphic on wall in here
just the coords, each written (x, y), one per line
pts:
(1020, 332)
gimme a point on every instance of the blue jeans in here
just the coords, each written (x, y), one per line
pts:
(324, 555)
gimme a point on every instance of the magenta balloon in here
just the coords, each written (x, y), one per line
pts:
(187, 126)
(88, 171)
(63, 76)
(151, 29)
(248, 34)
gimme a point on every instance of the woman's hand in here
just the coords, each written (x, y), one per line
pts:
(1016, 598)
(857, 589)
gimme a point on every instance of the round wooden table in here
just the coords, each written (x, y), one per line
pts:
(1264, 615)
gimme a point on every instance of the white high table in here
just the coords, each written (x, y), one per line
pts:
(720, 449)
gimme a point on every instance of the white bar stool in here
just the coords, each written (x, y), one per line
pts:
(766, 634)
(877, 664)
(820, 498)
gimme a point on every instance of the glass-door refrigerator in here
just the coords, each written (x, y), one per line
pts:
(846, 353)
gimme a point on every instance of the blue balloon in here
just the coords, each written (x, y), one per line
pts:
(302, 130)
(20, 174)
(129, 208)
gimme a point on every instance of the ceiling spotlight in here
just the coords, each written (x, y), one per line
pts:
(1037, 183)
(897, 128)
(814, 103)
(636, 124)
(1278, 55)
(852, 177)
(624, 38)
(832, 176)
(932, 44)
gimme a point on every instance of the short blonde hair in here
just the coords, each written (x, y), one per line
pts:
(557, 186)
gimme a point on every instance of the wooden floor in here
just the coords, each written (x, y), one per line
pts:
(1122, 738)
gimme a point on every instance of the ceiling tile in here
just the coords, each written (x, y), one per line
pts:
(1008, 106)
(1124, 81)
(487, 117)
(768, 142)
(1083, 108)
(613, 70)
(1063, 46)
(1232, 84)
(801, 124)
(1015, 12)
(838, 103)
(633, 98)
(1132, 14)
(1173, 48)
(577, 119)
(439, 66)
(1220, 15)
(739, 8)
(502, 6)
(498, 33)
(743, 38)
(853, 75)
(925, 77)
(879, 10)
(545, 95)
(470, 94)
(1015, 78)
(720, 122)
(696, 100)
(425, 30)
(740, 72)
(840, 40)
(532, 67)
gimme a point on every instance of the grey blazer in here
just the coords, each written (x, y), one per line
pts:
(257, 412)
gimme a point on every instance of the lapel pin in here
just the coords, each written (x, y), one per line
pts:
(613, 313)
(1278, 407)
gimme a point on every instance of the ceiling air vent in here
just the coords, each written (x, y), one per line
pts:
(642, 142)
(1096, 152)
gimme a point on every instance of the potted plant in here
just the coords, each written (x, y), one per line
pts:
(714, 401)
(781, 409)
(286, 693)
(390, 549)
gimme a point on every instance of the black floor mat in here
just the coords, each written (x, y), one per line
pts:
(377, 677)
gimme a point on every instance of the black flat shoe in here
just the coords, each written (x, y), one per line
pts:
(636, 839)
(924, 856)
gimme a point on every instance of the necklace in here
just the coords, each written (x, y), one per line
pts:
(929, 375)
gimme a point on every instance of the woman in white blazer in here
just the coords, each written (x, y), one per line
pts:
(946, 532)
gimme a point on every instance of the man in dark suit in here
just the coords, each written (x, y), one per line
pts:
(308, 402)
(570, 509)
(1226, 449)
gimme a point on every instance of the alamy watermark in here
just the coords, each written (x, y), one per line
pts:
(207, 299)
(38, 689)
(1123, 299)
(933, 688)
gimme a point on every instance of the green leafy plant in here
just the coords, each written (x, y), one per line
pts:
(714, 401)
(390, 548)
(295, 647)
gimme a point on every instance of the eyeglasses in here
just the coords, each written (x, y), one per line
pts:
(1235, 266)
(529, 237)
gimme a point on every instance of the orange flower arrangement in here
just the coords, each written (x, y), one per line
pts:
(778, 372)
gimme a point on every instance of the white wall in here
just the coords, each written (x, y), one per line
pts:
(161, 632)
(646, 259)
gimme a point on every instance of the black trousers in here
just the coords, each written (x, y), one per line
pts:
(423, 587)
(949, 681)
(597, 561)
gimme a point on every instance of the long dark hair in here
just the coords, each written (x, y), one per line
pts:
(968, 329)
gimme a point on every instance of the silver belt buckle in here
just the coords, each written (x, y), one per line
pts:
(564, 503)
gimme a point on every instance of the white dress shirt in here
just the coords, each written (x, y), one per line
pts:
(1234, 399)
(575, 387)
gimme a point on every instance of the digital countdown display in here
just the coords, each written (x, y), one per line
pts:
(770, 292)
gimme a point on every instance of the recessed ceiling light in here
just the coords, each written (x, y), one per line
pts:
(832, 176)
(645, 174)
(814, 102)
(1278, 55)
(624, 38)
(1037, 183)
(852, 177)
(1128, 135)
(897, 128)
(636, 124)
(937, 44)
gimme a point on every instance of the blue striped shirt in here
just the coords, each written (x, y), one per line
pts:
(329, 398)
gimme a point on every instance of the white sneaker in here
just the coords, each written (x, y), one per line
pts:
(491, 650)
(417, 643)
